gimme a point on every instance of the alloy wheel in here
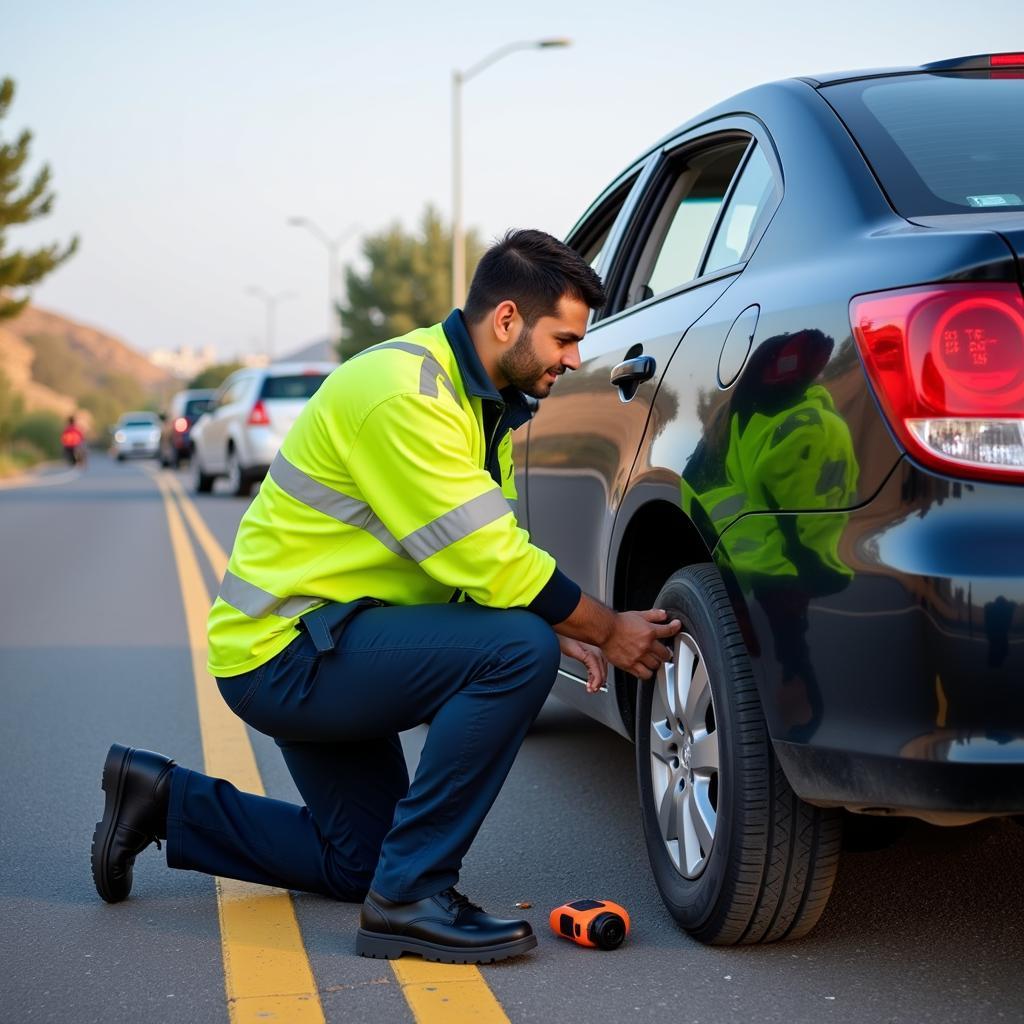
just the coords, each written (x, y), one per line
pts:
(685, 757)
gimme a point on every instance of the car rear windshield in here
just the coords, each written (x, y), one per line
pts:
(138, 423)
(300, 385)
(194, 406)
(940, 143)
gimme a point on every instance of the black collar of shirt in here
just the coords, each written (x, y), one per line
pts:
(518, 408)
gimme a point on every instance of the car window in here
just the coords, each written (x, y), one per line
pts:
(296, 385)
(590, 238)
(671, 252)
(138, 423)
(940, 143)
(751, 203)
(233, 392)
(195, 406)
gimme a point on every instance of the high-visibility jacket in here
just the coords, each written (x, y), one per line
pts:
(388, 486)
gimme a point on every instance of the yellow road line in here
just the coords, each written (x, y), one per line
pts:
(436, 993)
(214, 552)
(267, 974)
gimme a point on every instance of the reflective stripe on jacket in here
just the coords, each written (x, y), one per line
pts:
(387, 487)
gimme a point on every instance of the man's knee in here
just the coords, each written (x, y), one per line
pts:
(531, 642)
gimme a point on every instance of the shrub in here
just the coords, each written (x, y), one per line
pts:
(41, 430)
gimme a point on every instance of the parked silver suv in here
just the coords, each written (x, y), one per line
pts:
(241, 432)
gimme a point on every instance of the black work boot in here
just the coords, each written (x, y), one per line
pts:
(138, 788)
(446, 928)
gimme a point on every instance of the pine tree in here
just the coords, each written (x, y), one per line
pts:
(407, 285)
(22, 268)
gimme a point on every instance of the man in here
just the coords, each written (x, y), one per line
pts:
(71, 439)
(379, 581)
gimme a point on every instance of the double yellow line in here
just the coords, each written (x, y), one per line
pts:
(267, 973)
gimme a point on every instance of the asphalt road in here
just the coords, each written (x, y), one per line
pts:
(93, 649)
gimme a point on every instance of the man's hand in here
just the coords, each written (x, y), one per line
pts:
(636, 641)
(592, 659)
(630, 640)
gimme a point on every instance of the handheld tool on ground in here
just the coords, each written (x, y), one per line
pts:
(599, 924)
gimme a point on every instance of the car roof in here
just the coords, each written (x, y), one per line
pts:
(747, 101)
(139, 414)
(286, 369)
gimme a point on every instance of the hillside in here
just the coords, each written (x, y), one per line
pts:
(60, 366)
(16, 358)
(104, 353)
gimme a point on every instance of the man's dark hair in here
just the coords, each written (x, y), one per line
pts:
(534, 270)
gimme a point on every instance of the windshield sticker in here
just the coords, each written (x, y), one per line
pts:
(1005, 199)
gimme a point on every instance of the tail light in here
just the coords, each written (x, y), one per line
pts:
(947, 365)
(258, 417)
(181, 424)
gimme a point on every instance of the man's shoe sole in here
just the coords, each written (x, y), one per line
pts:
(391, 947)
(112, 783)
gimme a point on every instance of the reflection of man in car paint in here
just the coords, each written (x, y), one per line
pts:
(787, 451)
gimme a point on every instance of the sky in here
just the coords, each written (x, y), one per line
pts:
(182, 137)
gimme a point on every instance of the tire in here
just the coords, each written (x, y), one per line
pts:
(202, 483)
(120, 456)
(765, 867)
(239, 482)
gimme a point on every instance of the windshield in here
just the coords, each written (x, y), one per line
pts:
(300, 385)
(138, 423)
(940, 143)
(194, 406)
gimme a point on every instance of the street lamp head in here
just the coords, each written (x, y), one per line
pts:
(545, 44)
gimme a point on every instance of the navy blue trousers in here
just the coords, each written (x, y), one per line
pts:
(477, 676)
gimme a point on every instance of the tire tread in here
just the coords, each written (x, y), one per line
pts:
(786, 852)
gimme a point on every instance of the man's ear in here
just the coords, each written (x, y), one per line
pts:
(505, 315)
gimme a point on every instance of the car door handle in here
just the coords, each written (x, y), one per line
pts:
(634, 371)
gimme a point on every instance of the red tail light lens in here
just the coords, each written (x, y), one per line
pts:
(258, 417)
(181, 424)
(1005, 60)
(947, 365)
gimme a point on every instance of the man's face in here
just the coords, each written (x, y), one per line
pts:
(541, 354)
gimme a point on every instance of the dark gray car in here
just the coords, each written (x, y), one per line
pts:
(799, 426)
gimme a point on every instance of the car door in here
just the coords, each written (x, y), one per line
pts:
(219, 418)
(585, 437)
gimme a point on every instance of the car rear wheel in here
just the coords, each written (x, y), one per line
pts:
(202, 483)
(239, 482)
(737, 856)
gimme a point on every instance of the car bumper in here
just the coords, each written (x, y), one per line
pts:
(137, 451)
(898, 684)
(261, 445)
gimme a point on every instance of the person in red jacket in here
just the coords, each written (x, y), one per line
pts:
(73, 441)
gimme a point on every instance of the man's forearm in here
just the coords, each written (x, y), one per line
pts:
(590, 621)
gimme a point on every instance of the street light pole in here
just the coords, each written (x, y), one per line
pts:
(332, 245)
(270, 300)
(459, 78)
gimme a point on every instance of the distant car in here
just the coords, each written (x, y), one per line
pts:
(137, 435)
(241, 432)
(798, 427)
(175, 437)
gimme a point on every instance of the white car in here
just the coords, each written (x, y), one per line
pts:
(137, 434)
(241, 432)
